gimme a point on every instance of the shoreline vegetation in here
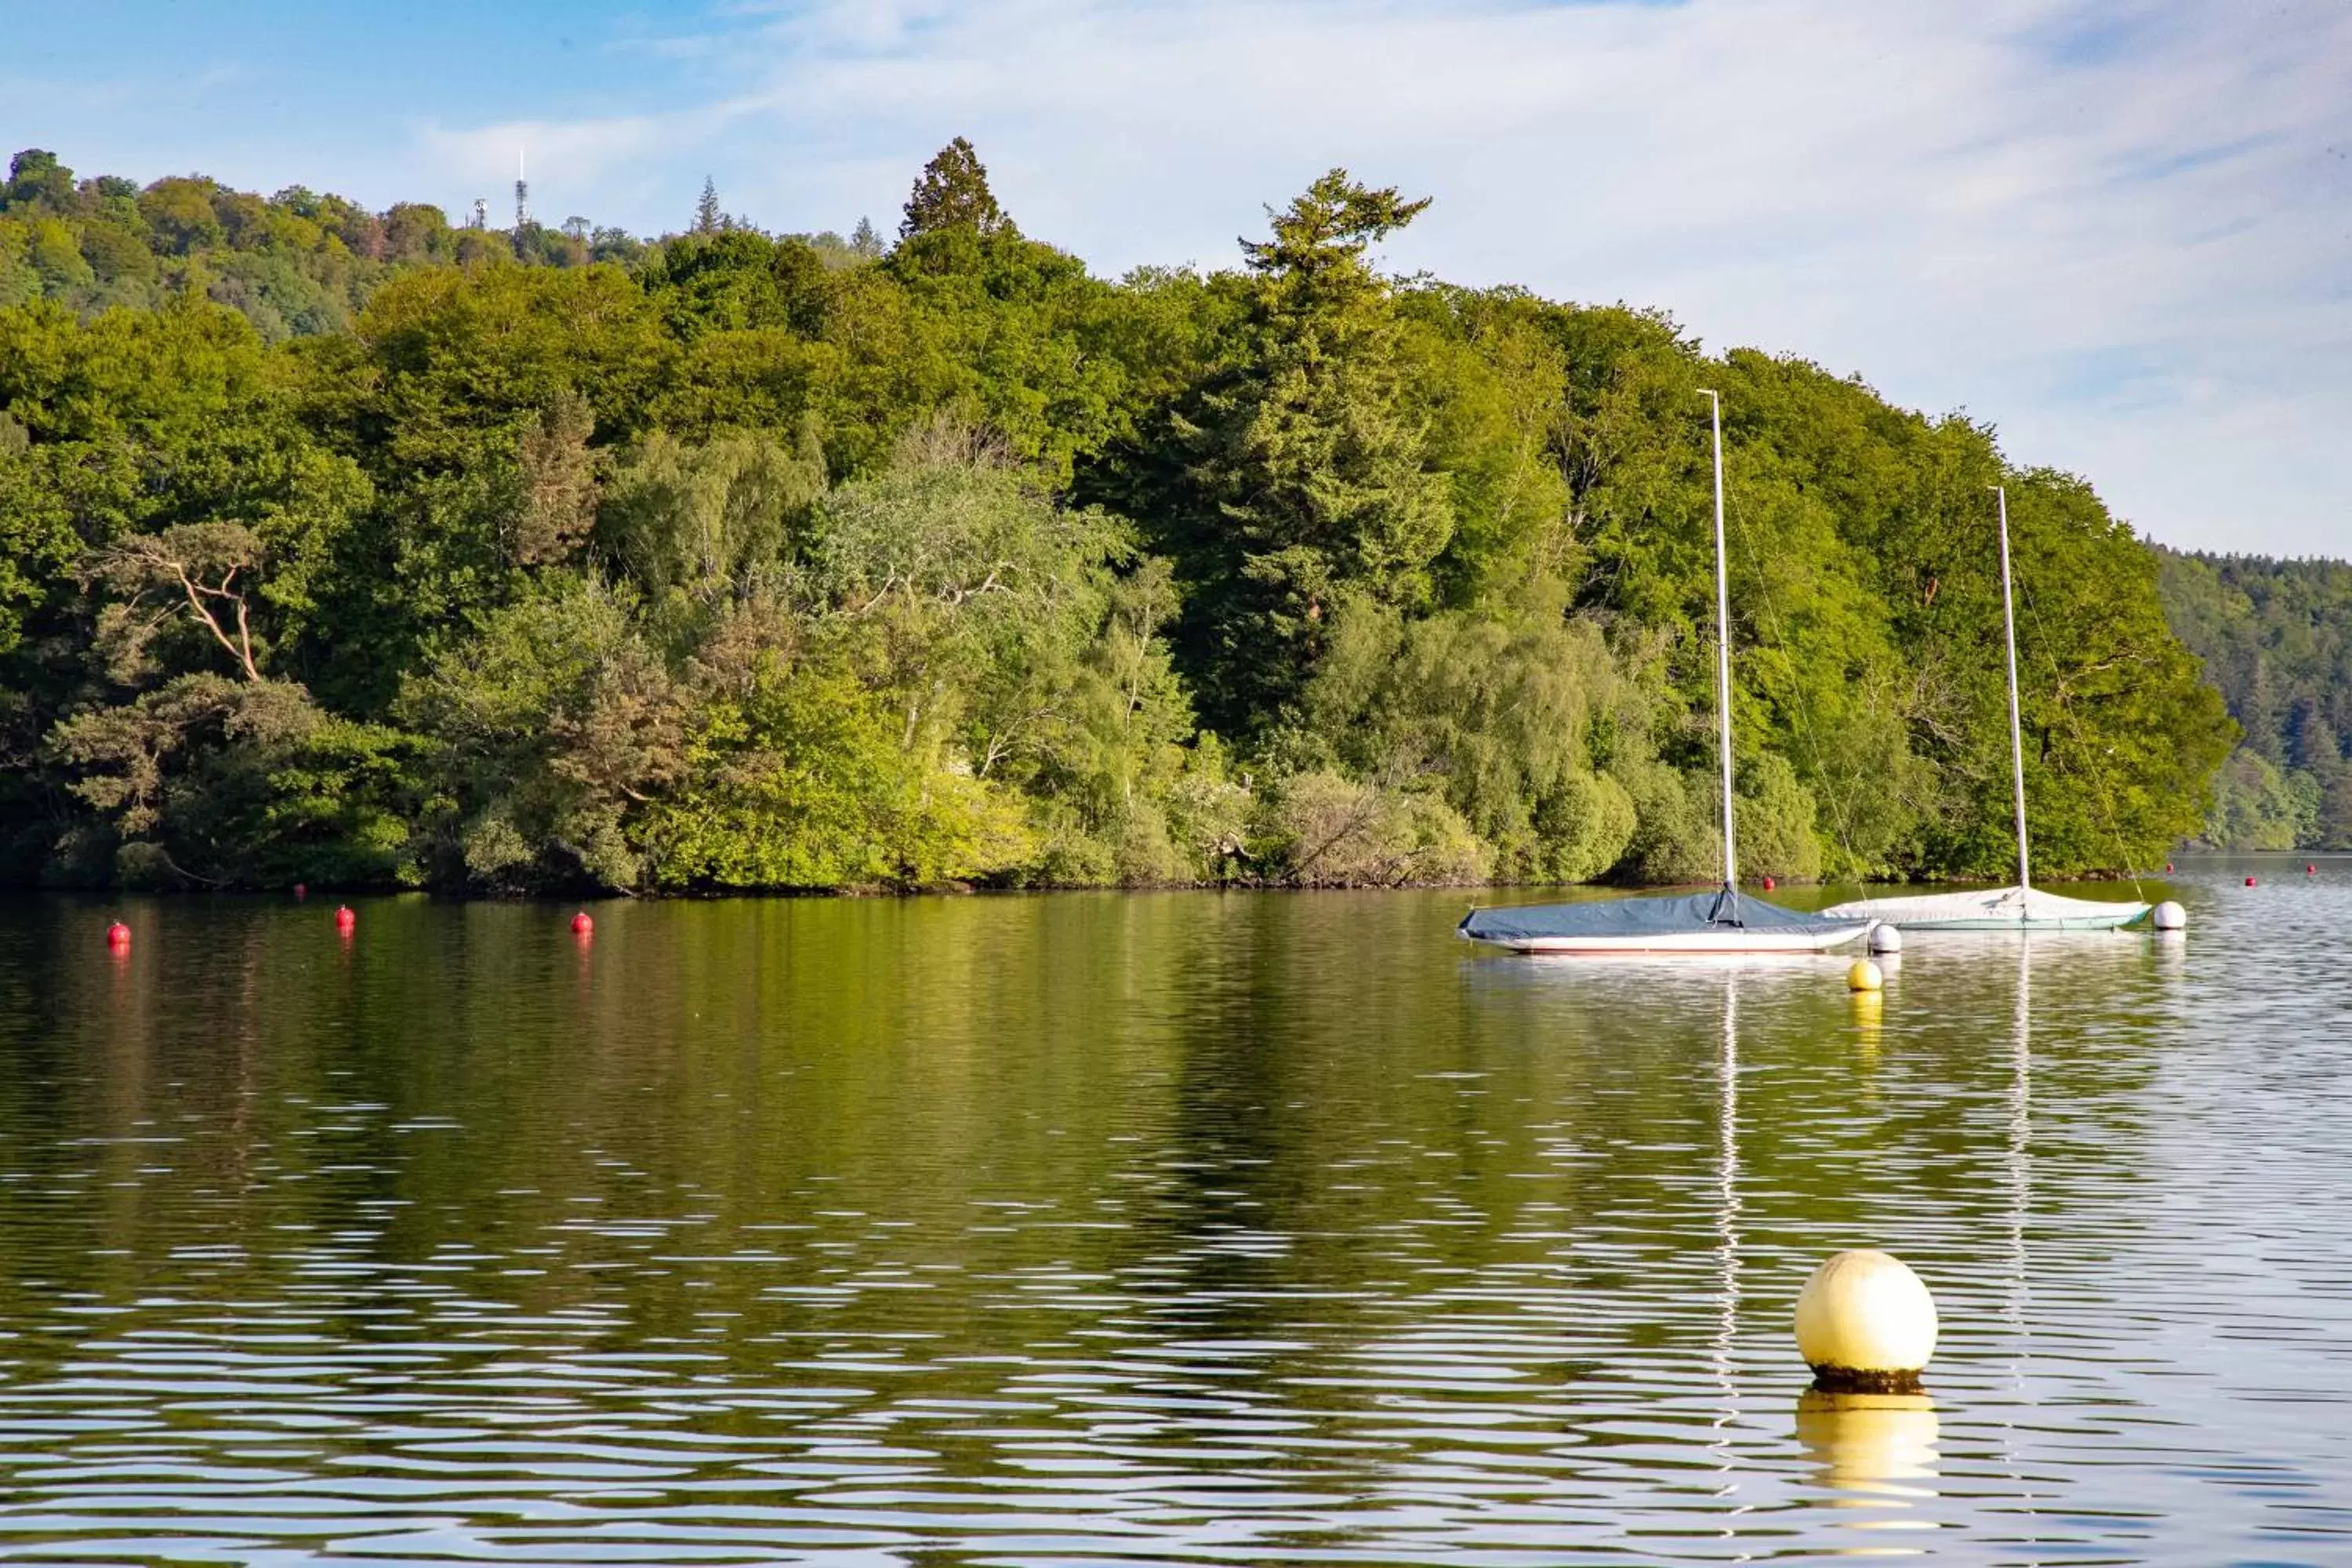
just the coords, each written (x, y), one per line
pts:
(363, 551)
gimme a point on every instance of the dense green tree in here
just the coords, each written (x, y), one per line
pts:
(953, 193)
(36, 179)
(802, 782)
(704, 523)
(179, 214)
(414, 231)
(209, 781)
(1303, 483)
(551, 729)
(179, 520)
(1501, 710)
(734, 278)
(340, 546)
(2275, 637)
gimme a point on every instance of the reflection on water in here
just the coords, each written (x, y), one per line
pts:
(1872, 1444)
(1154, 1228)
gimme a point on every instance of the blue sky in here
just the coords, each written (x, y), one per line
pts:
(2120, 232)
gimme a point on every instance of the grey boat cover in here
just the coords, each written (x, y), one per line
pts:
(1675, 914)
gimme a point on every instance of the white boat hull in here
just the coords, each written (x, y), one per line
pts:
(1699, 942)
(2103, 923)
(1991, 910)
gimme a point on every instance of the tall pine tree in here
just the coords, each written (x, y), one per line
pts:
(953, 192)
(1304, 483)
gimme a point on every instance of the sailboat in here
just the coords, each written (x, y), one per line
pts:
(1723, 921)
(2022, 907)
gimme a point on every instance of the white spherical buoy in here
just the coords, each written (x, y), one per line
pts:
(2170, 916)
(1885, 938)
(1865, 1323)
(1864, 976)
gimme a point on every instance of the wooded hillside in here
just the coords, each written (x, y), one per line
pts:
(351, 548)
(2276, 637)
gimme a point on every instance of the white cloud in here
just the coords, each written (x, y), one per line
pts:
(2118, 232)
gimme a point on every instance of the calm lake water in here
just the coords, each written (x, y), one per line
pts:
(1115, 1229)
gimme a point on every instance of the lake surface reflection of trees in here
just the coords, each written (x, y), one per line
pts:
(1175, 1225)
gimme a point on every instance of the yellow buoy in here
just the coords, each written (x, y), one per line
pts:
(1864, 976)
(1865, 1323)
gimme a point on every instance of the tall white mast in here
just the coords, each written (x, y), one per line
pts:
(1723, 651)
(2016, 732)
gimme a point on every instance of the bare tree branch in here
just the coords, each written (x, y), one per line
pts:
(189, 556)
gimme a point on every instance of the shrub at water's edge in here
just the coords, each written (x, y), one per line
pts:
(359, 549)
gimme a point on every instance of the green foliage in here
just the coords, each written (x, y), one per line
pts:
(1677, 831)
(953, 194)
(2276, 637)
(551, 729)
(1319, 830)
(732, 279)
(2259, 805)
(1503, 711)
(1491, 388)
(1303, 483)
(804, 782)
(700, 522)
(207, 781)
(1774, 816)
(1000, 623)
(2122, 738)
(349, 547)
(37, 180)
(137, 424)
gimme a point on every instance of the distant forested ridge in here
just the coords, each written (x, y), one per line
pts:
(358, 549)
(2276, 637)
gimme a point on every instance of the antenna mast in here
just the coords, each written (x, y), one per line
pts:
(522, 195)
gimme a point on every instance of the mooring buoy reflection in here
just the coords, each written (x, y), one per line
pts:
(1883, 1444)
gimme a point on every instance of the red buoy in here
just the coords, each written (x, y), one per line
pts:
(344, 919)
(1767, 884)
(581, 924)
(2167, 867)
(2311, 870)
(2249, 881)
(118, 935)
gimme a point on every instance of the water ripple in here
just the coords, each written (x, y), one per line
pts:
(1155, 1229)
